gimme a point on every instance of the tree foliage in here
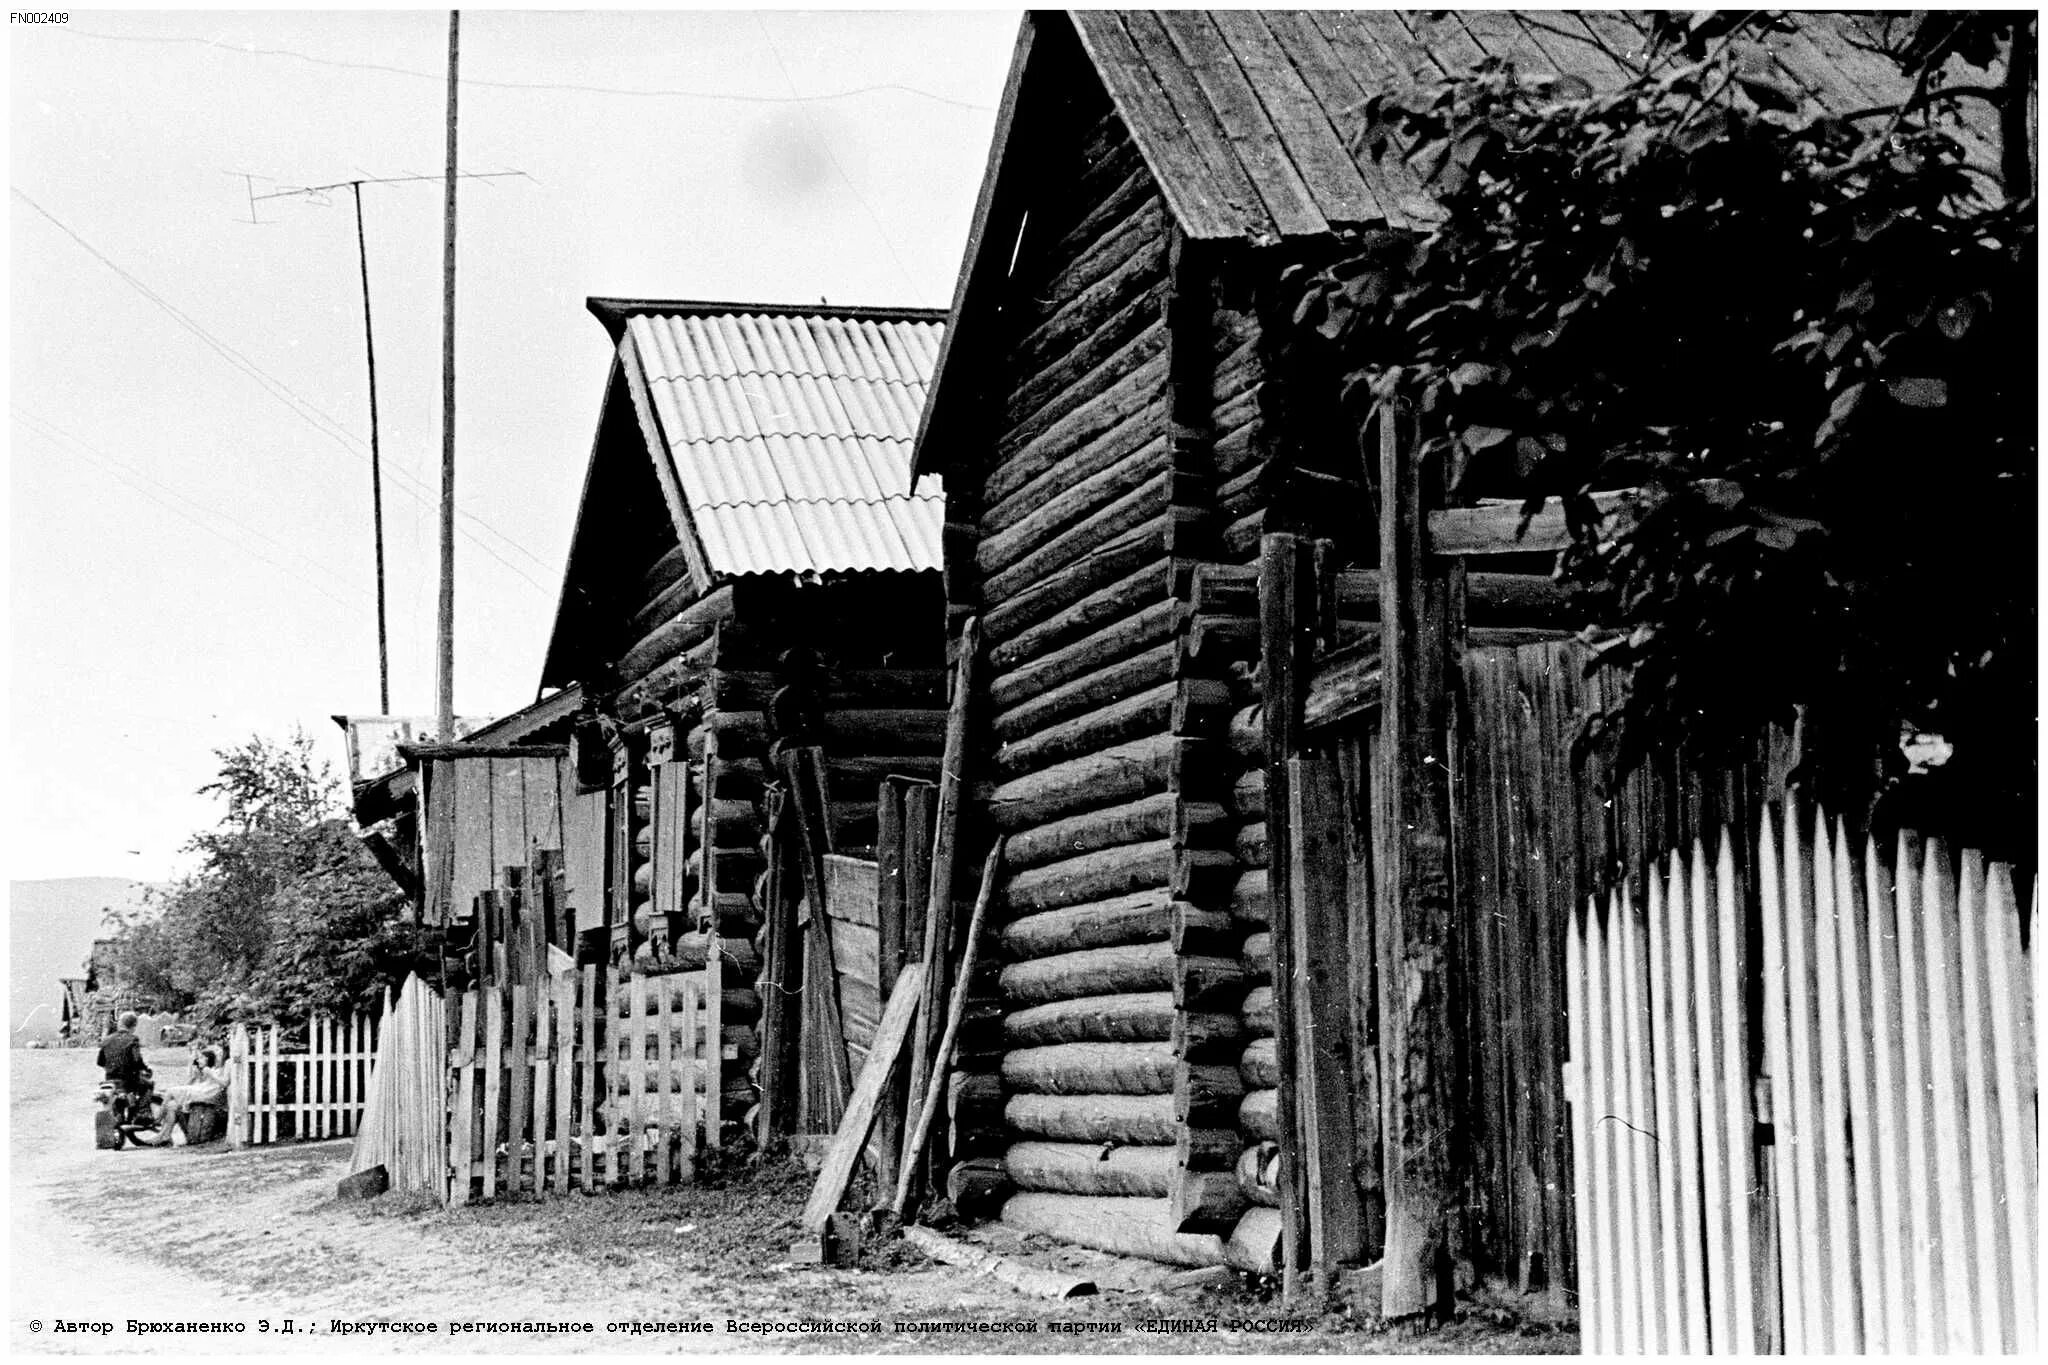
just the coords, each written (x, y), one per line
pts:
(286, 913)
(1806, 334)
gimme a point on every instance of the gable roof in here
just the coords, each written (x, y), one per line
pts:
(782, 435)
(1246, 119)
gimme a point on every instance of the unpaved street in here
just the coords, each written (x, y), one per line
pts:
(182, 1235)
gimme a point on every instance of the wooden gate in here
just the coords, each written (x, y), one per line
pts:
(281, 1089)
(580, 1082)
(1830, 1181)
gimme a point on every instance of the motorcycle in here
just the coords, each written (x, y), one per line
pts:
(127, 1113)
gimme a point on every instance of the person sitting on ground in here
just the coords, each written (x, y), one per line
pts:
(207, 1083)
(121, 1056)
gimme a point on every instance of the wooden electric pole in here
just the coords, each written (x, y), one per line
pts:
(445, 690)
(376, 465)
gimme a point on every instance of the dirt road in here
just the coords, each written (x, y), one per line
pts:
(257, 1236)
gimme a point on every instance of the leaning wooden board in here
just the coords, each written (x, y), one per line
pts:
(860, 1105)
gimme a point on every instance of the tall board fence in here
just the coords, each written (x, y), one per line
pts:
(1804, 1109)
(579, 1082)
(280, 1091)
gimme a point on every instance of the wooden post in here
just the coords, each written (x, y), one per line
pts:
(1415, 905)
(938, 917)
(781, 981)
(1285, 570)
(804, 770)
(889, 914)
(239, 1077)
(713, 990)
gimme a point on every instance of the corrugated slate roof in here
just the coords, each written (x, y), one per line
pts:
(1246, 117)
(788, 432)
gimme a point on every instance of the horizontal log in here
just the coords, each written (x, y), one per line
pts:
(1132, 718)
(1238, 447)
(1257, 1011)
(1141, 504)
(1248, 731)
(1496, 526)
(1207, 1035)
(690, 949)
(1076, 497)
(1090, 692)
(1213, 640)
(1250, 844)
(1091, 1069)
(1206, 1094)
(1120, 1226)
(680, 600)
(1085, 1168)
(1115, 242)
(1199, 932)
(1260, 1066)
(1094, 572)
(735, 689)
(1203, 875)
(859, 774)
(1207, 1201)
(1201, 824)
(1128, 1017)
(673, 683)
(690, 626)
(1121, 343)
(1259, 1115)
(977, 1189)
(1258, 955)
(1125, 408)
(1145, 586)
(1208, 1149)
(1149, 818)
(1248, 795)
(1133, 1119)
(1092, 876)
(1345, 684)
(1258, 1173)
(1202, 708)
(1092, 971)
(1138, 917)
(674, 564)
(1089, 654)
(1138, 275)
(1251, 897)
(882, 730)
(1207, 983)
(1111, 777)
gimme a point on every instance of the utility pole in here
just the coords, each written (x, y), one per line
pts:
(445, 691)
(376, 465)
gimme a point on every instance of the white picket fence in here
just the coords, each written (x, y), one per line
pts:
(1861, 1177)
(275, 1094)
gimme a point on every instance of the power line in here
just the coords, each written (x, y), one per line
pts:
(833, 157)
(567, 88)
(306, 411)
(29, 424)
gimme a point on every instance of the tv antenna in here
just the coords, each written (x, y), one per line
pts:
(322, 195)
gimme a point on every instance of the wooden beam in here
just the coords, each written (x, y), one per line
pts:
(1415, 908)
(1494, 526)
(859, 1118)
(1286, 641)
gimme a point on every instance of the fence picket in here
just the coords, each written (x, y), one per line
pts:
(518, 1076)
(494, 1071)
(1613, 1117)
(1852, 947)
(1889, 1103)
(1739, 1109)
(2012, 1050)
(586, 1013)
(1683, 1307)
(1846, 1325)
(664, 1057)
(541, 1064)
(1639, 1129)
(1951, 1114)
(1601, 1173)
(1980, 1086)
(462, 1138)
(565, 1051)
(1591, 1309)
(1792, 1274)
(1708, 1006)
(1923, 1189)
(700, 1084)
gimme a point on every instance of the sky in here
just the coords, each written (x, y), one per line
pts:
(190, 555)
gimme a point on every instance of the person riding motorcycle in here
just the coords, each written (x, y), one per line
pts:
(130, 1081)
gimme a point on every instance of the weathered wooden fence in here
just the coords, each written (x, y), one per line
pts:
(1827, 1146)
(578, 1083)
(403, 1127)
(279, 1090)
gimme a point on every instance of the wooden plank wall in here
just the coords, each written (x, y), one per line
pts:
(1535, 835)
(487, 814)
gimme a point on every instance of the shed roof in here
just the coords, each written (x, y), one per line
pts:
(782, 435)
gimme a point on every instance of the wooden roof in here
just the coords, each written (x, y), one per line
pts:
(1247, 120)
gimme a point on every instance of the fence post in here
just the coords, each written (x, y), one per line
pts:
(238, 1087)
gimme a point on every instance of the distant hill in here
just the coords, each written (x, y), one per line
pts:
(53, 925)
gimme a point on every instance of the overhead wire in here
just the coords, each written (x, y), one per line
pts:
(733, 97)
(283, 393)
(28, 423)
(833, 157)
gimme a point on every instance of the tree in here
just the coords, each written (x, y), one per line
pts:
(286, 915)
(1806, 335)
